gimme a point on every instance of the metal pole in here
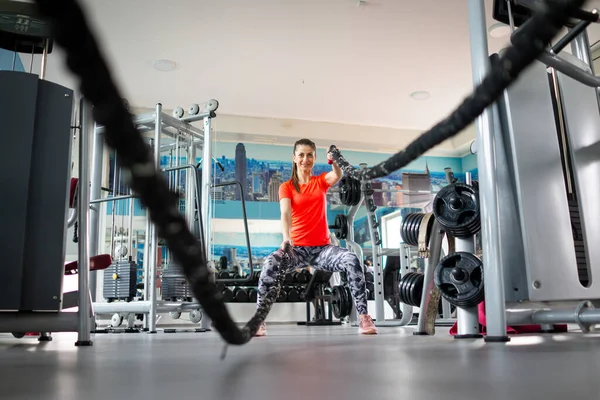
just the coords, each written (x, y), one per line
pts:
(95, 193)
(147, 255)
(467, 318)
(206, 185)
(580, 47)
(154, 237)
(83, 332)
(44, 60)
(206, 198)
(488, 183)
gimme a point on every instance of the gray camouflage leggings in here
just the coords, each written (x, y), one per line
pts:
(327, 258)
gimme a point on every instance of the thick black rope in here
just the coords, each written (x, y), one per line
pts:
(71, 31)
(532, 39)
(88, 64)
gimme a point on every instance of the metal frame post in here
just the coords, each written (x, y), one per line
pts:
(83, 311)
(95, 193)
(154, 236)
(205, 211)
(467, 318)
(488, 183)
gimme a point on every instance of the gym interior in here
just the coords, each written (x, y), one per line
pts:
(145, 145)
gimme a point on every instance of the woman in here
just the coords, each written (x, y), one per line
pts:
(304, 225)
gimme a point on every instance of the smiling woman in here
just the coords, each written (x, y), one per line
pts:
(304, 226)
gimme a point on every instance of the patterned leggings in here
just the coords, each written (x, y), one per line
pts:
(327, 258)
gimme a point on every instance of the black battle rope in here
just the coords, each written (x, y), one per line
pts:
(85, 60)
(71, 31)
(527, 45)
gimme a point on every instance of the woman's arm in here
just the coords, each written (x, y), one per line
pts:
(285, 205)
(336, 173)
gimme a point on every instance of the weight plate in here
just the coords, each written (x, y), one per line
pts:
(459, 277)
(356, 192)
(456, 208)
(336, 301)
(349, 300)
(346, 191)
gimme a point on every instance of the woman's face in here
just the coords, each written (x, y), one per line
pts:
(304, 157)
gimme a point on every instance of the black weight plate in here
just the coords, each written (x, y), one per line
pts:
(408, 230)
(346, 191)
(405, 229)
(336, 300)
(349, 300)
(409, 288)
(461, 292)
(357, 193)
(414, 229)
(417, 290)
(456, 208)
(252, 295)
(227, 295)
(343, 302)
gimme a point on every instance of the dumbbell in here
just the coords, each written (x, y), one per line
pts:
(282, 296)
(293, 295)
(289, 278)
(302, 276)
(224, 275)
(227, 295)
(252, 295)
(240, 295)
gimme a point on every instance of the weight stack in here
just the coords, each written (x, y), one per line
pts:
(174, 285)
(120, 281)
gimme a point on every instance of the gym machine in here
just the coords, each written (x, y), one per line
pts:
(382, 284)
(42, 118)
(175, 138)
(538, 160)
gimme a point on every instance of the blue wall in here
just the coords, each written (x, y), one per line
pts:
(6, 61)
(263, 162)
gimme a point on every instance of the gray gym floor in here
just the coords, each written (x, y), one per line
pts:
(296, 362)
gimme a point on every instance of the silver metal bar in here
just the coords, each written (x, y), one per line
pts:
(196, 142)
(72, 217)
(206, 186)
(153, 257)
(130, 228)
(467, 318)
(95, 193)
(435, 253)
(488, 183)
(191, 181)
(147, 255)
(569, 69)
(588, 316)
(109, 199)
(183, 124)
(40, 322)
(580, 48)
(44, 60)
(205, 202)
(142, 307)
(177, 162)
(83, 311)
(114, 208)
(407, 310)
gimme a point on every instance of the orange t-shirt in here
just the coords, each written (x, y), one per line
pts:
(309, 211)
